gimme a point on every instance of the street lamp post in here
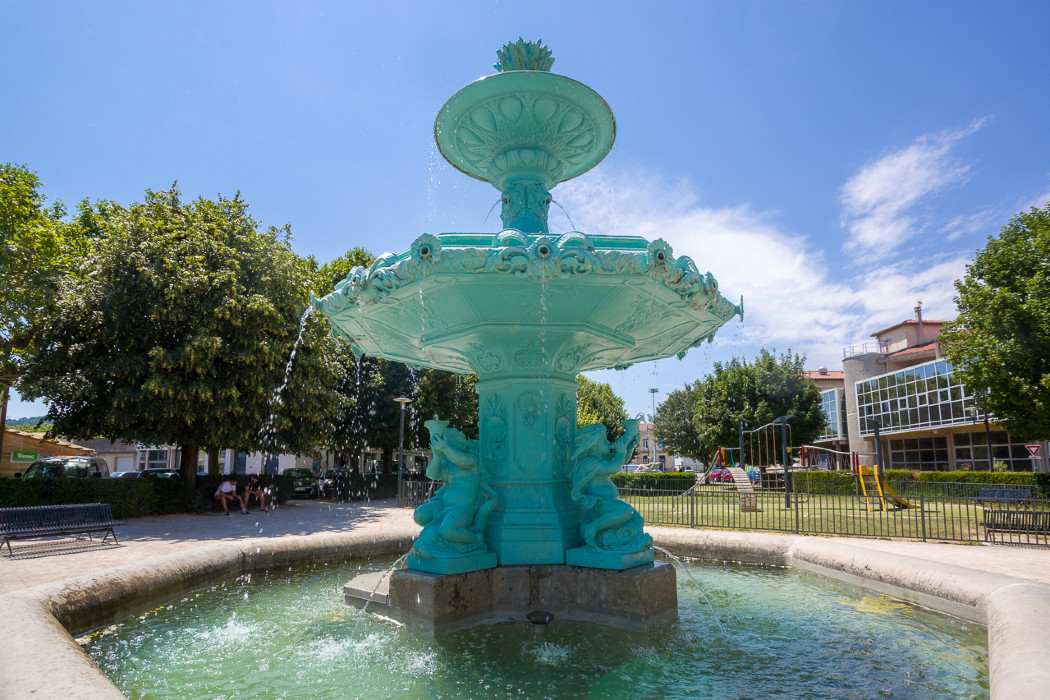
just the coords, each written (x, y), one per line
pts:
(401, 447)
(972, 410)
(783, 420)
(652, 424)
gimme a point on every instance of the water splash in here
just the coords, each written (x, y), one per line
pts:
(688, 573)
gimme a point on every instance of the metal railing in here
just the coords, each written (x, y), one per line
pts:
(415, 493)
(953, 514)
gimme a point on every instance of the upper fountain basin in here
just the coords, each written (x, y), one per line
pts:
(525, 124)
(514, 304)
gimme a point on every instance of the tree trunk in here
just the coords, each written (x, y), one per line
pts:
(188, 465)
(3, 416)
(213, 461)
(388, 460)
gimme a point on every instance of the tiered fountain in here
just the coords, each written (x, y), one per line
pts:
(527, 517)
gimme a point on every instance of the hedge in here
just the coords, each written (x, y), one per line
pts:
(360, 487)
(128, 497)
(658, 481)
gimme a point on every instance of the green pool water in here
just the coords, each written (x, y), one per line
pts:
(289, 634)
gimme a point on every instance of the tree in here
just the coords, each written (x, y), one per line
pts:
(178, 331)
(1000, 341)
(597, 403)
(36, 251)
(758, 392)
(674, 424)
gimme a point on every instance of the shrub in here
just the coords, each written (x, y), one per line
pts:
(660, 481)
(128, 497)
(352, 486)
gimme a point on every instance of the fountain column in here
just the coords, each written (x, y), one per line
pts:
(526, 424)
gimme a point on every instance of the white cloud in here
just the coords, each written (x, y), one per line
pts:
(1039, 202)
(965, 224)
(879, 202)
(792, 298)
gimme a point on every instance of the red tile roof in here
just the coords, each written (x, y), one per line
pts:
(826, 374)
(909, 322)
(926, 347)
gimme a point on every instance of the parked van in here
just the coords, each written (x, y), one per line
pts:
(67, 466)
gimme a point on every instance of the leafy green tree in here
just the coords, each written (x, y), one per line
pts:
(597, 403)
(37, 249)
(1000, 341)
(675, 426)
(178, 331)
(759, 392)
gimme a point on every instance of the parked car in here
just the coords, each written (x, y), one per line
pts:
(304, 483)
(121, 475)
(159, 473)
(67, 466)
(327, 482)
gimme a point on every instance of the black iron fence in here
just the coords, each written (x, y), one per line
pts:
(924, 511)
(412, 494)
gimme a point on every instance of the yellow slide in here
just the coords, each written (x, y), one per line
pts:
(871, 484)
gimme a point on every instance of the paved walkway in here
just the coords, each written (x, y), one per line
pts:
(143, 538)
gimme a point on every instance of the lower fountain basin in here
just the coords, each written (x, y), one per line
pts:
(39, 658)
(767, 631)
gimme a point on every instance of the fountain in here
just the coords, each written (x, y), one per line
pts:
(530, 504)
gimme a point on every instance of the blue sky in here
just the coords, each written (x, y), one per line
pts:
(831, 162)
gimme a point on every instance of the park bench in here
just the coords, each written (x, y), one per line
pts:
(50, 521)
(1017, 496)
(1019, 521)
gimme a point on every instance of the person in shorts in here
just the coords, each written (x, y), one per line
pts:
(227, 492)
(254, 488)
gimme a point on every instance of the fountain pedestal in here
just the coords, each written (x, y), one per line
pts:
(641, 598)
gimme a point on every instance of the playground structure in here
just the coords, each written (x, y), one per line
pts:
(875, 488)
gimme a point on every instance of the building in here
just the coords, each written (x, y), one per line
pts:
(902, 388)
(22, 449)
(119, 455)
(644, 453)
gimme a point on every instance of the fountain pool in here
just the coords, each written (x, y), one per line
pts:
(288, 633)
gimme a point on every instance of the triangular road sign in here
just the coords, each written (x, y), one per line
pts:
(1033, 449)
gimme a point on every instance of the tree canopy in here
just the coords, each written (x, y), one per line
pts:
(597, 403)
(37, 249)
(178, 331)
(696, 420)
(1000, 341)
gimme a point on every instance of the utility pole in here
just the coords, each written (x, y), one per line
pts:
(401, 447)
(652, 424)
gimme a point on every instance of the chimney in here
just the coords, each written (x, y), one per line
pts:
(918, 320)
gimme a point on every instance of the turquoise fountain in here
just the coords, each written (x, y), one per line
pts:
(526, 311)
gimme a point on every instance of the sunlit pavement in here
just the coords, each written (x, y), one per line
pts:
(143, 538)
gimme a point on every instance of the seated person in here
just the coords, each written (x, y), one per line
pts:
(254, 488)
(227, 492)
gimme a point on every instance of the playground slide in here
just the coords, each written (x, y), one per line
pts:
(872, 485)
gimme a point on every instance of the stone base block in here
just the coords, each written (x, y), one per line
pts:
(639, 599)
(458, 565)
(595, 559)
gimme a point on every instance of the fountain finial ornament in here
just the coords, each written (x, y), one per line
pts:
(524, 55)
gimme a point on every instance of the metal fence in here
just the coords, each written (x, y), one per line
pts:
(941, 512)
(412, 494)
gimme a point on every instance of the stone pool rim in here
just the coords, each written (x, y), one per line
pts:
(39, 657)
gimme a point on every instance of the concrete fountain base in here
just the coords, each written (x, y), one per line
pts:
(639, 599)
